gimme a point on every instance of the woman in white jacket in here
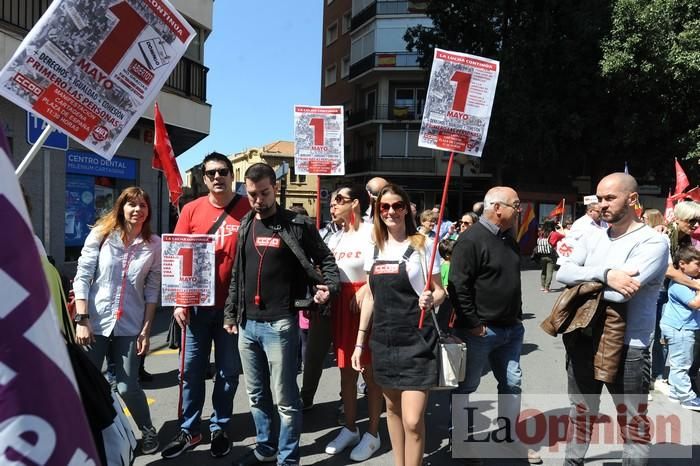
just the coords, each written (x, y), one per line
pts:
(116, 292)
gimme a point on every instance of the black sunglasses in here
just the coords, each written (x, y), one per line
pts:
(221, 171)
(340, 199)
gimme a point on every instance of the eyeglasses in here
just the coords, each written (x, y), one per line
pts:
(693, 221)
(397, 206)
(514, 206)
(221, 171)
(340, 199)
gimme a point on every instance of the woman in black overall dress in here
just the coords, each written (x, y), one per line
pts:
(404, 358)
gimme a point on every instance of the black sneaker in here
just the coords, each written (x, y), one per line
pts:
(254, 457)
(182, 441)
(220, 444)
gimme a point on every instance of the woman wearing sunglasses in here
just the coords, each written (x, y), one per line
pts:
(403, 356)
(349, 246)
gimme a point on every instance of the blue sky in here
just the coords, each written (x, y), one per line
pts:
(263, 58)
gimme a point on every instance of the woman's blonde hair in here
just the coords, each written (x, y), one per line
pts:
(114, 219)
(654, 217)
(686, 210)
(381, 233)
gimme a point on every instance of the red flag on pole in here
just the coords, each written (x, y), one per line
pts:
(164, 158)
(668, 211)
(681, 179)
(694, 194)
(558, 210)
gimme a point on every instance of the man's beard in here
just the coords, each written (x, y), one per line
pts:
(264, 209)
(614, 218)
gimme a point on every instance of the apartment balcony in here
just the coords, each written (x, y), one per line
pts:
(21, 15)
(189, 79)
(384, 61)
(391, 113)
(392, 165)
(387, 7)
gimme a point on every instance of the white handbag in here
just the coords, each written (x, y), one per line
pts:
(452, 359)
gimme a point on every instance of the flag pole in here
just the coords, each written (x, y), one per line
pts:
(318, 202)
(563, 211)
(183, 343)
(22, 167)
(429, 267)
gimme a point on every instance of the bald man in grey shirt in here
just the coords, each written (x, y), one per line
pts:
(631, 260)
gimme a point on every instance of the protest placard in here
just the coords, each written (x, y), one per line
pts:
(458, 105)
(318, 136)
(91, 67)
(188, 269)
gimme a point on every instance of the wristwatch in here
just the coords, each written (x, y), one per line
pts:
(79, 318)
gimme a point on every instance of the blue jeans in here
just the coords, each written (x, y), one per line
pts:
(680, 357)
(501, 348)
(207, 325)
(630, 389)
(122, 351)
(269, 358)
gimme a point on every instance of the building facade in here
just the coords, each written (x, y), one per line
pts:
(294, 190)
(69, 189)
(383, 90)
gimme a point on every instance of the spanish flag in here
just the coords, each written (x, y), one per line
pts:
(527, 218)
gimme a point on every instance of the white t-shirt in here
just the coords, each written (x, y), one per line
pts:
(349, 249)
(416, 272)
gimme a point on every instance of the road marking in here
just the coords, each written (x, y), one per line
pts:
(150, 401)
(164, 351)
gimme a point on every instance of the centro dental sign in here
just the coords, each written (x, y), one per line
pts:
(89, 163)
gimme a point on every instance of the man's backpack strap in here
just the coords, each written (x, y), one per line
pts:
(227, 211)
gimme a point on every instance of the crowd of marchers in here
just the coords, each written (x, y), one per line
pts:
(364, 285)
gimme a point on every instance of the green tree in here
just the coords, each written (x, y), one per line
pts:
(652, 64)
(549, 120)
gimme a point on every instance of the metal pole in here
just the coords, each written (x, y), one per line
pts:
(160, 202)
(33, 151)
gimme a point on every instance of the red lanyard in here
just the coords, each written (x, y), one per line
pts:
(260, 260)
(120, 309)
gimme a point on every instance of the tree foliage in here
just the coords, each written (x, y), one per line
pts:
(584, 85)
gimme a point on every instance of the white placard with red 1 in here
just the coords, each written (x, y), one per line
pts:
(92, 67)
(188, 269)
(318, 137)
(459, 101)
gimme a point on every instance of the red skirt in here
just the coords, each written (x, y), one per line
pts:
(345, 326)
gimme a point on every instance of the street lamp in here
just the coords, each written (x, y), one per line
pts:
(462, 160)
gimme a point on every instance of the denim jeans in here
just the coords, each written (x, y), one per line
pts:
(122, 351)
(680, 344)
(659, 352)
(631, 389)
(207, 325)
(269, 358)
(500, 347)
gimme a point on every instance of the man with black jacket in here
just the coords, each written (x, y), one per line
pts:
(272, 269)
(484, 288)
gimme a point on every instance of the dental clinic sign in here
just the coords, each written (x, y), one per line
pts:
(88, 163)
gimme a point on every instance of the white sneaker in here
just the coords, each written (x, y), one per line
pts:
(345, 438)
(367, 447)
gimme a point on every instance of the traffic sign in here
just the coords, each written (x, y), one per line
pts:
(36, 125)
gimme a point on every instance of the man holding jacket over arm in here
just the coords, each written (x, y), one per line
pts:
(630, 259)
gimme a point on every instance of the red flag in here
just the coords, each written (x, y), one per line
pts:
(558, 210)
(694, 194)
(164, 158)
(681, 179)
(668, 211)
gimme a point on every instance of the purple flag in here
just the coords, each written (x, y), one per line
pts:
(42, 420)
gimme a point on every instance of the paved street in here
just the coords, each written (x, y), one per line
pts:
(543, 368)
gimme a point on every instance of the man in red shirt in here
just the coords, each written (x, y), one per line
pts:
(204, 325)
